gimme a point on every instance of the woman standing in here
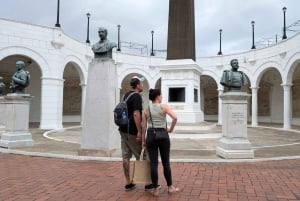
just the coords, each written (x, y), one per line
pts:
(155, 117)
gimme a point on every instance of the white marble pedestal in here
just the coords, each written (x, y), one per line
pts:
(99, 134)
(183, 74)
(16, 121)
(2, 114)
(234, 143)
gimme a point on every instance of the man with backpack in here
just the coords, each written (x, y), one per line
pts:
(131, 134)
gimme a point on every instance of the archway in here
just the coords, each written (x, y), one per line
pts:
(126, 87)
(270, 97)
(209, 98)
(296, 96)
(72, 97)
(7, 69)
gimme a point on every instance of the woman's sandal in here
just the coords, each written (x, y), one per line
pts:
(155, 192)
(173, 189)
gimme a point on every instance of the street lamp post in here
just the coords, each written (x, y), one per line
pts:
(152, 52)
(57, 17)
(220, 50)
(284, 27)
(119, 48)
(253, 46)
(88, 28)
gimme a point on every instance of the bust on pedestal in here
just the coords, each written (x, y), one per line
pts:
(99, 133)
(234, 142)
(16, 111)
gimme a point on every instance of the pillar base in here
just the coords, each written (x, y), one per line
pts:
(16, 117)
(235, 154)
(234, 148)
(99, 133)
(234, 143)
(13, 140)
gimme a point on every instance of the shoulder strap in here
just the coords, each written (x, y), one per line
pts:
(125, 100)
(150, 115)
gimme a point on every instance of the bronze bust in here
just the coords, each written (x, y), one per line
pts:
(2, 86)
(103, 48)
(234, 79)
(20, 79)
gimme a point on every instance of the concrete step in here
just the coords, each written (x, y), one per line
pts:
(202, 127)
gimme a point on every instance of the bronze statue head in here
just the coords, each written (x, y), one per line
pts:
(102, 33)
(234, 64)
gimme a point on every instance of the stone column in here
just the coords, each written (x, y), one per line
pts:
(52, 103)
(99, 134)
(287, 106)
(254, 106)
(220, 92)
(234, 142)
(16, 115)
(83, 96)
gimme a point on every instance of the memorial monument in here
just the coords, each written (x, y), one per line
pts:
(99, 134)
(180, 74)
(15, 108)
(234, 142)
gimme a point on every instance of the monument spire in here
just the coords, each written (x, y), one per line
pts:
(181, 30)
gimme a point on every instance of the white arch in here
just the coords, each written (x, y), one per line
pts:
(259, 72)
(81, 68)
(213, 75)
(123, 74)
(290, 67)
(18, 50)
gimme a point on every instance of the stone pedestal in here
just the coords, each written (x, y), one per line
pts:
(183, 74)
(234, 142)
(2, 114)
(100, 136)
(16, 121)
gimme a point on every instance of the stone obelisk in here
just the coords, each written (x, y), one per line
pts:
(180, 75)
(181, 30)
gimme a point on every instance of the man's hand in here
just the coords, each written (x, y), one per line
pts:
(139, 136)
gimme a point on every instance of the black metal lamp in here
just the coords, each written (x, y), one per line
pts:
(284, 26)
(88, 28)
(253, 46)
(220, 50)
(119, 48)
(152, 52)
(57, 16)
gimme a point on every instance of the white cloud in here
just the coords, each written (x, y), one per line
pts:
(138, 17)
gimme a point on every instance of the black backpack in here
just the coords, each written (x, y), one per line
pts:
(121, 116)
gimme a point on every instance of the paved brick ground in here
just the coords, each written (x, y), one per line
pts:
(24, 178)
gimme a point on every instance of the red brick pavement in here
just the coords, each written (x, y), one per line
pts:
(25, 178)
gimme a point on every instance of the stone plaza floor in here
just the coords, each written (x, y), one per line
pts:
(52, 171)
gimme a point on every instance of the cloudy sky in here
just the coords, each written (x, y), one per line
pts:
(138, 17)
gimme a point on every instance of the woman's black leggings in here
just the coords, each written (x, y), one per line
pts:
(164, 148)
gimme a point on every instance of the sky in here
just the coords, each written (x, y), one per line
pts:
(139, 17)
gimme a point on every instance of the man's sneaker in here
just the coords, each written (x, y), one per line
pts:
(129, 187)
(150, 187)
